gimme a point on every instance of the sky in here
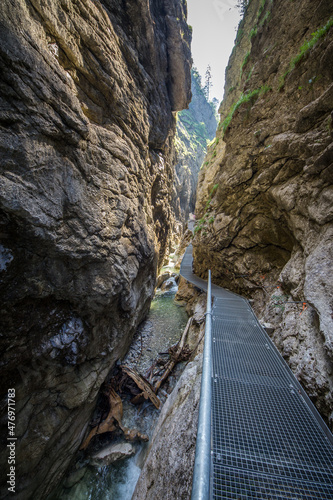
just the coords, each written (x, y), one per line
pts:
(214, 24)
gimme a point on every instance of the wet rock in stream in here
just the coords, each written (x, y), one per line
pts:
(112, 453)
(162, 278)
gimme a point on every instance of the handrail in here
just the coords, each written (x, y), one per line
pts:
(201, 472)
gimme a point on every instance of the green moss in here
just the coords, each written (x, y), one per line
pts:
(244, 98)
(249, 74)
(245, 61)
(265, 18)
(206, 219)
(305, 49)
(261, 8)
(253, 32)
(307, 46)
(208, 202)
(239, 36)
(214, 188)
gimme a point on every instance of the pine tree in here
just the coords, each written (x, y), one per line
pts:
(242, 5)
(208, 81)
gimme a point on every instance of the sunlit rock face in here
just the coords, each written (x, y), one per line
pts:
(265, 197)
(195, 128)
(88, 91)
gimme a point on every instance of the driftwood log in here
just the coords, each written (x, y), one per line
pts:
(176, 354)
(113, 422)
(143, 384)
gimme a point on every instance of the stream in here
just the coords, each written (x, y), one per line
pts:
(162, 328)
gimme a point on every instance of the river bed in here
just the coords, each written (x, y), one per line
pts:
(162, 328)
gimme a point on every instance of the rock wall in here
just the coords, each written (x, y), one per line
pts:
(264, 199)
(196, 126)
(88, 95)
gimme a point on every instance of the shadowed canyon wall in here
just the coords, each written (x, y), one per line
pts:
(88, 95)
(265, 195)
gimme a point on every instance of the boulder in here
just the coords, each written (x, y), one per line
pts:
(112, 453)
(162, 278)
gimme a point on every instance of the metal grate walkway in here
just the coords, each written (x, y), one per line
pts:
(268, 440)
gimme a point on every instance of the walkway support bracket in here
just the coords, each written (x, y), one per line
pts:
(202, 464)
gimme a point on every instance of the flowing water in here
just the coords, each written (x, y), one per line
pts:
(163, 327)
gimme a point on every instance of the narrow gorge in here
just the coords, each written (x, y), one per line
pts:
(104, 130)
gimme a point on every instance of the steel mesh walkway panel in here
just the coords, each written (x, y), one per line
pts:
(269, 430)
(253, 363)
(238, 330)
(240, 485)
(268, 441)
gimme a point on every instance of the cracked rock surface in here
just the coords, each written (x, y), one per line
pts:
(267, 227)
(87, 95)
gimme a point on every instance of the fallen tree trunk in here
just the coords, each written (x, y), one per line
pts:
(113, 422)
(178, 352)
(109, 424)
(147, 390)
(175, 356)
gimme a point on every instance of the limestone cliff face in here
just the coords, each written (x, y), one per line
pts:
(196, 126)
(265, 198)
(88, 91)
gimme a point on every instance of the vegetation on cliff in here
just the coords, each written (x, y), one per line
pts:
(271, 216)
(305, 48)
(199, 132)
(248, 97)
(196, 127)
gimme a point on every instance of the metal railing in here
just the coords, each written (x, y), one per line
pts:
(202, 464)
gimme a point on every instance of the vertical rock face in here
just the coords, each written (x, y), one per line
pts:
(196, 126)
(265, 197)
(88, 91)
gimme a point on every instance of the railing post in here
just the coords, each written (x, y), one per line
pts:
(201, 472)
